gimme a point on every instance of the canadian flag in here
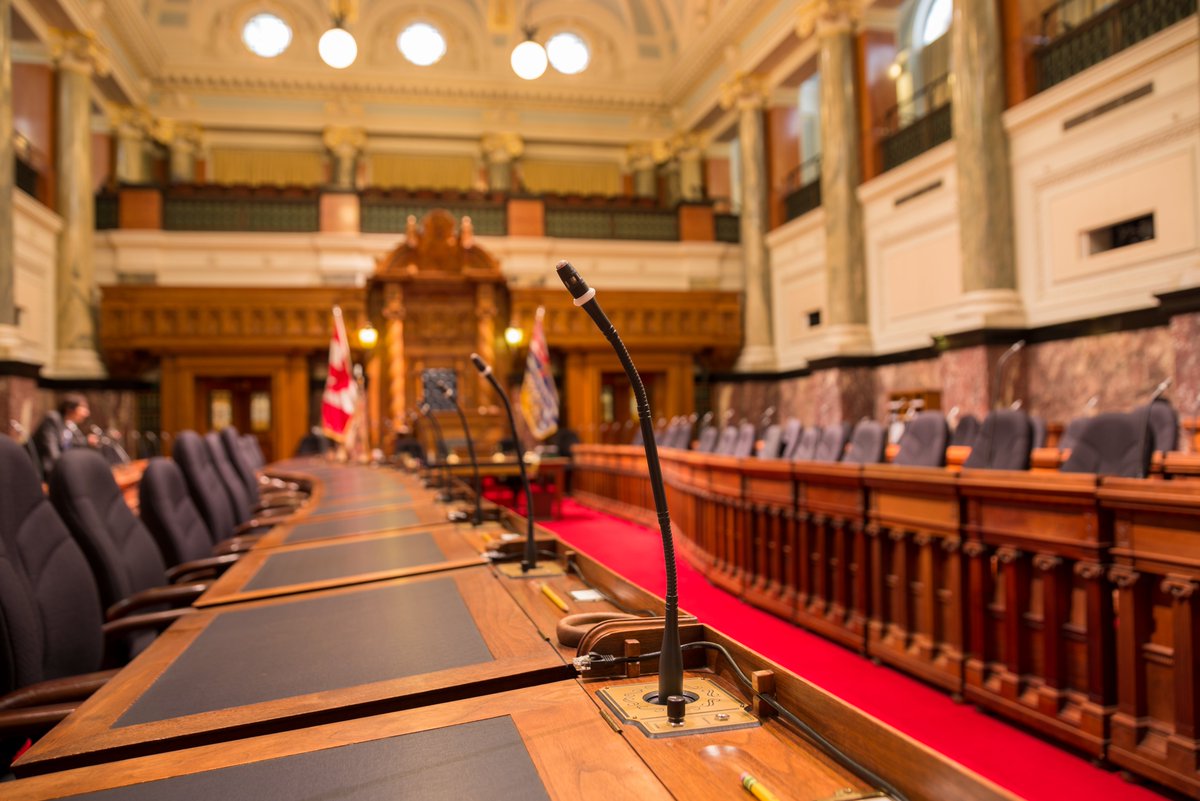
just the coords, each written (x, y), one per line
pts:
(341, 391)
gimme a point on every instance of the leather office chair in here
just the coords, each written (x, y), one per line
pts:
(124, 558)
(1004, 443)
(1072, 433)
(772, 441)
(1039, 431)
(708, 440)
(867, 443)
(247, 504)
(924, 441)
(726, 440)
(832, 444)
(967, 431)
(240, 459)
(1164, 426)
(52, 641)
(743, 446)
(175, 523)
(209, 493)
(1113, 444)
(806, 448)
(791, 437)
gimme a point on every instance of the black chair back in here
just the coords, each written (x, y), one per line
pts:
(867, 443)
(726, 441)
(771, 442)
(253, 450)
(240, 461)
(806, 449)
(708, 440)
(1072, 433)
(791, 437)
(1112, 444)
(1164, 426)
(243, 506)
(966, 432)
(205, 485)
(168, 512)
(50, 612)
(743, 446)
(121, 552)
(924, 441)
(1039, 431)
(832, 444)
(312, 444)
(1004, 443)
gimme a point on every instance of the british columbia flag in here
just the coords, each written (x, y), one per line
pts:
(539, 396)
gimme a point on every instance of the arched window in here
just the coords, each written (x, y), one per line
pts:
(935, 21)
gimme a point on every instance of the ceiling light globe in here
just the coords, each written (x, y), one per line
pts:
(567, 53)
(337, 48)
(422, 44)
(529, 60)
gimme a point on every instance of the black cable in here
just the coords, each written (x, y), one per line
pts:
(808, 731)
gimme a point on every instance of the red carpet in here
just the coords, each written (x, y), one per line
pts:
(1012, 758)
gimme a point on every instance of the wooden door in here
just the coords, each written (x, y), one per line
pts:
(243, 402)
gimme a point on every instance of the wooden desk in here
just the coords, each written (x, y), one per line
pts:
(555, 739)
(283, 663)
(371, 521)
(549, 475)
(356, 559)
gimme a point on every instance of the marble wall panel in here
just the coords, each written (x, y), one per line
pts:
(1120, 369)
(1185, 340)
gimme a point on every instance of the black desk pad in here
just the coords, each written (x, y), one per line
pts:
(484, 760)
(285, 568)
(312, 644)
(335, 506)
(362, 524)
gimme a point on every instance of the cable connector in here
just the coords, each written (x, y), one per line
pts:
(584, 663)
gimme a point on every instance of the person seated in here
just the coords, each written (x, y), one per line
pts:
(63, 429)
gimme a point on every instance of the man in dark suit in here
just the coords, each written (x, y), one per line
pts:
(62, 430)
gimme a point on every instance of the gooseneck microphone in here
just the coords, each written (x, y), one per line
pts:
(529, 560)
(670, 662)
(450, 396)
(999, 378)
(440, 447)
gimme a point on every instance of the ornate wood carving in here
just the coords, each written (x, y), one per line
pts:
(1123, 577)
(1179, 587)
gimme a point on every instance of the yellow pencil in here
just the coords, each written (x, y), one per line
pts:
(756, 789)
(554, 599)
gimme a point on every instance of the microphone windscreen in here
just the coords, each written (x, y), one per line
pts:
(571, 279)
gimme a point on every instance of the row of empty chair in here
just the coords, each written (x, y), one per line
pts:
(85, 583)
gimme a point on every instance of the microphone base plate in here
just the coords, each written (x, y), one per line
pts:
(715, 708)
(541, 570)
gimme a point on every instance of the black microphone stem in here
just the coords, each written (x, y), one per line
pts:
(450, 395)
(670, 663)
(439, 443)
(529, 561)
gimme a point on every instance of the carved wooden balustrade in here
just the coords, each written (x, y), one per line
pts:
(1156, 571)
(832, 579)
(997, 586)
(1041, 639)
(914, 524)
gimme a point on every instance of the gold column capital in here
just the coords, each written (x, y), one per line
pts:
(501, 148)
(79, 51)
(745, 90)
(343, 137)
(828, 17)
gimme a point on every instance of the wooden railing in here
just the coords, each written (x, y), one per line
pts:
(996, 586)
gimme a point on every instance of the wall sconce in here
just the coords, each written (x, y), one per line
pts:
(513, 335)
(368, 335)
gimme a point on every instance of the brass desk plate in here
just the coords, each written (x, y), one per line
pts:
(714, 709)
(543, 570)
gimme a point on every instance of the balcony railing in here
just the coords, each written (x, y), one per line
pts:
(263, 209)
(804, 188)
(728, 228)
(107, 211)
(918, 124)
(598, 223)
(388, 213)
(1078, 34)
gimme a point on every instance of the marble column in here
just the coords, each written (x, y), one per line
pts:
(673, 190)
(691, 171)
(747, 94)
(639, 157)
(984, 178)
(77, 57)
(8, 316)
(130, 127)
(499, 153)
(345, 145)
(184, 145)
